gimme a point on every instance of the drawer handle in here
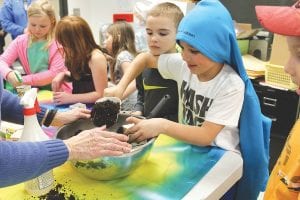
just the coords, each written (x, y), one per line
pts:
(269, 101)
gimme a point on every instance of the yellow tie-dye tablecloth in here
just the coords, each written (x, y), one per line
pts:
(171, 170)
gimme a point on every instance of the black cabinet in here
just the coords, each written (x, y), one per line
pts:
(282, 107)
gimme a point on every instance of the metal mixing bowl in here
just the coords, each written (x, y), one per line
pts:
(110, 167)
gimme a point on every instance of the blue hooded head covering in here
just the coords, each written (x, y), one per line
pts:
(209, 28)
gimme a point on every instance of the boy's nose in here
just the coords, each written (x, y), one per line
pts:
(153, 38)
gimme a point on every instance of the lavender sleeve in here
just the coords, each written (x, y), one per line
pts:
(21, 161)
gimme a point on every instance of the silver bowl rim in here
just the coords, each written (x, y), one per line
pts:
(131, 153)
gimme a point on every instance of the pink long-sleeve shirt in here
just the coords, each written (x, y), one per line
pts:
(18, 49)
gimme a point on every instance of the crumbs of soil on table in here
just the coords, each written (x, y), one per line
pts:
(58, 193)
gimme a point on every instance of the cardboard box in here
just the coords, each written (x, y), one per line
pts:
(275, 74)
(280, 52)
(244, 31)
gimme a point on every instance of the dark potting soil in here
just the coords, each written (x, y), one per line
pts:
(105, 113)
(91, 165)
(57, 193)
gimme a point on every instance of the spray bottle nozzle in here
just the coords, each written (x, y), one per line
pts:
(30, 103)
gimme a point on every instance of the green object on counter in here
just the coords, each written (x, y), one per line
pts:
(243, 46)
(2, 136)
(6, 135)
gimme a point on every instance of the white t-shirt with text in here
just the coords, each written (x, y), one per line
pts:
(218, 100)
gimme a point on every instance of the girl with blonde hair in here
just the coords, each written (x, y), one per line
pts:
(37, 51)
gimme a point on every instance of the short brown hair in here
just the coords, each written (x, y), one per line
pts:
(167, 9)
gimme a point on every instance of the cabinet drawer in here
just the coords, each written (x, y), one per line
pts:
(280, 106)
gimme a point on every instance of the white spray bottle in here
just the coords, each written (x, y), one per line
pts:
(33, 132)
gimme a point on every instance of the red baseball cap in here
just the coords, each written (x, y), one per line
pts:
(283, 20)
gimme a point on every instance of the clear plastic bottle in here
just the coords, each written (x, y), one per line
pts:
(33, 132)
(40, 185)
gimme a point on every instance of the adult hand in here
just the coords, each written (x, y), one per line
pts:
(57, 82)
(93, 143)
(12, 79)
(144, 128)
(69, 116)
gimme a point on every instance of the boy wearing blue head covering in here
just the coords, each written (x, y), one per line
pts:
(217, 103)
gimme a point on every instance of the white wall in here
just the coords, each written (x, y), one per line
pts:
(97, 12)
(55, 4)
